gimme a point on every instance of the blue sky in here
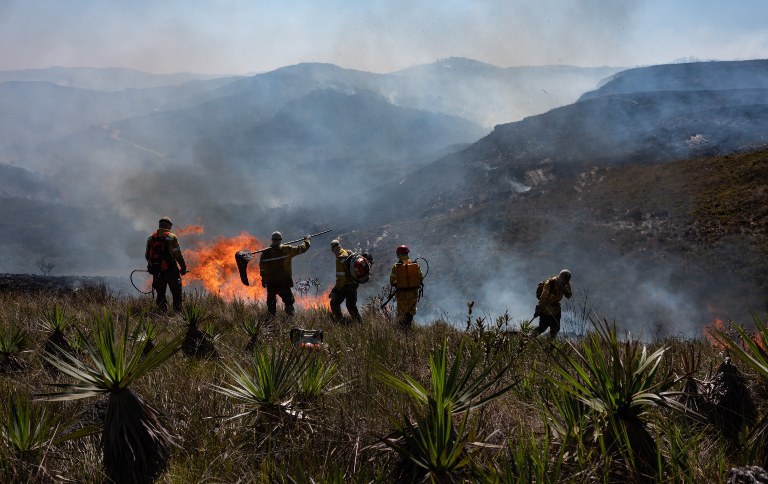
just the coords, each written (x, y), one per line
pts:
(244, 36)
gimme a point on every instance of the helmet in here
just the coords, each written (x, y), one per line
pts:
(165, 221)
(334, 243)
(402, 250)
(565, 275)
(277, 237)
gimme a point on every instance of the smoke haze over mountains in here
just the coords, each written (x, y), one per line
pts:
(409, 157)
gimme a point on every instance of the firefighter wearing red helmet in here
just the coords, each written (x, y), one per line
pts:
(406, 278)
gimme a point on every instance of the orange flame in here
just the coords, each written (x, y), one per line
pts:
(213, 265)
(191, 230)
(711, 331)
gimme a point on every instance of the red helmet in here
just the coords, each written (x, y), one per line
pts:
(402, 250)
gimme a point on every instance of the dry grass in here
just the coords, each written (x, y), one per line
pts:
(330, 440)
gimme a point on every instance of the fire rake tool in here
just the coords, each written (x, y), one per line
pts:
(243, 257)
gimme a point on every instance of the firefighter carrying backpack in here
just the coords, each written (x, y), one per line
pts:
(408, 276)
(358, 268)
(159, 258)
(540, 288)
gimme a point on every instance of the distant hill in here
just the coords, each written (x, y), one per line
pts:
(102, 79)
(671, 244)
(33, 112)
(693, 76)
(640, 127)
(491, 95)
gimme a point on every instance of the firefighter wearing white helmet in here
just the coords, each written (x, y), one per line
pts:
(550, 292)
(276, 273)
(345, 288)
(406, 278)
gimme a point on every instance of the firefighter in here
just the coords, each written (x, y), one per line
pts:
(345, 288)
(276, 274)
(406, 278)
(548, 308)
(166, 264)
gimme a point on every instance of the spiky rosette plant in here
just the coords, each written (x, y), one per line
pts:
(146, 333)
(135, 443)
(26, 430)
(12, 342)
(253, 328)
(56, 322)
(197, 342)
(618, 383)
(736, 407)
(431, 447)
(271, 384)
(692, 396)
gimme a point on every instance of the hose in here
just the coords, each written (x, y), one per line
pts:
(134, 285)
(425, 262)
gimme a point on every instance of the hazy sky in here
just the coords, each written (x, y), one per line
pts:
(242, 36)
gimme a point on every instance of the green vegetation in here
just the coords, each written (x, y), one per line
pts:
(476, 403)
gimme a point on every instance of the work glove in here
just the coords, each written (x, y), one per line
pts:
(306, 238)
(183, 271)
(332, 293)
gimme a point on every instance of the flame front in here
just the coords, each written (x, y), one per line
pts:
(213, 265)
(191, 230)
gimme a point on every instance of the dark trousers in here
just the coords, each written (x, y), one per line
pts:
(285, 294)
(171, 280)
(348, 293)
(551, 321)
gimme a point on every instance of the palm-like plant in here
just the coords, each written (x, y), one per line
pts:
(456, 385)
(750, 350)
(135, 443)
(26, 429)
(12, 342)
(56, 322)
(316, 379)
(253, 327)
(272, 382)
(197, 342)
(618, 384)
(432, 447)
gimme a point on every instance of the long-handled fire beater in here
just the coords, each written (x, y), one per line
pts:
(243, 257)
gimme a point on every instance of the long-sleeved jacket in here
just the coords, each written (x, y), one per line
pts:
(278, 272)
(172, 249)
(342, 279)
(551, 295)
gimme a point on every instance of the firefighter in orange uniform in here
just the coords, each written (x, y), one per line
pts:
(165, 263)
(406, 278)
(276, 272)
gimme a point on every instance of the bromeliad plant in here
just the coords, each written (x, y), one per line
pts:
(197, 342)
(27, 430)
(271, 384)
(135, 443)
(56, 322)
(751, 350)
(617, 383)
(433, 447)
(12, 343)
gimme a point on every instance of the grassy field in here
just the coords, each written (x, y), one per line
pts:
(477, 401)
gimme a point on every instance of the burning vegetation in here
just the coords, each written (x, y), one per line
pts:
(213, 267)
